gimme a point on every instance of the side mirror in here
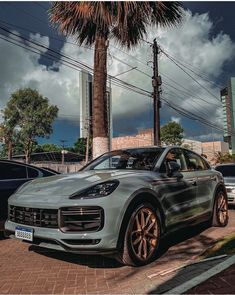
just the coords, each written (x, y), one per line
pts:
(173, 168)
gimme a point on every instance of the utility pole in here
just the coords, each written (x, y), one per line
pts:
(63, 151)
(156, 82)
(88, 139)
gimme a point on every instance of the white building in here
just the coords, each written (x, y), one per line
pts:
(85, 102)
(193, 145)
(86, 86)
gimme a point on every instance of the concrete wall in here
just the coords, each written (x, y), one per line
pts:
(212, 148)
(66, 168)
(143, 138)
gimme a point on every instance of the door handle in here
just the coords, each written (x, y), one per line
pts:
(192, 182)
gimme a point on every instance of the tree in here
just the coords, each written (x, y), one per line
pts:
(32, 117)
(80, 147)
(8, 131)
(97, 22)
(47, 147)
(172, 133)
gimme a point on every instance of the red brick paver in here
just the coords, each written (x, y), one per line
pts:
(222, 283)
(25, 269)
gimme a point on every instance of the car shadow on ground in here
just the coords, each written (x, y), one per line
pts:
(92, 261)
(183, 244)
(97, 261)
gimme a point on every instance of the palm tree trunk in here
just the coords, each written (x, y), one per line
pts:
(9, 150)
(99, 105)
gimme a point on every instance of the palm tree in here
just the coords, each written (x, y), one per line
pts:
(97, 22)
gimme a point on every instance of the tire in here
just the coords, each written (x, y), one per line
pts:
(220, 210)
(142, 236)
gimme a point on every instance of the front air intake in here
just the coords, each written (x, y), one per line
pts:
(81, 219)
(34, 216)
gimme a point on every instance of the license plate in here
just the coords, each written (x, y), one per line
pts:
(24, 233)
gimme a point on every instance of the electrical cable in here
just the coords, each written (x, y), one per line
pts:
(82, 65)
(189, 75)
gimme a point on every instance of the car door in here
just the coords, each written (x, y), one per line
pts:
(11, 177)
(206, 183)
(178, 192)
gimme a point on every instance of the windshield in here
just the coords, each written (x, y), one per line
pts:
(131, 159)
(226, 170)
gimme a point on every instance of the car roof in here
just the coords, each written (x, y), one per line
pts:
(27, 165)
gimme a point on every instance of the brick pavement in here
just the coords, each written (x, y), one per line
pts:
(26, 269)
(222, 283)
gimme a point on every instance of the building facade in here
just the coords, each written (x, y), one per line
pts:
(228, 103)
(86, 88)
(145, 138)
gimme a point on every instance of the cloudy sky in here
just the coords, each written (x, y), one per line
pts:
(203, 47)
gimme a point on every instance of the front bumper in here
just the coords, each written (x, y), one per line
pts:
(103, 241)
(75, 243)
(230, 193)
(231, 198)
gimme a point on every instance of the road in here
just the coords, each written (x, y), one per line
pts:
(27, 269)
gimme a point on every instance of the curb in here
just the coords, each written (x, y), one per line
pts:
(202, 277)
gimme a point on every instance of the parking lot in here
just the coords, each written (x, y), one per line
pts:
(27, 269)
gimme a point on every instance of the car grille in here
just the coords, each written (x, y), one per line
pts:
(81, 219)
(230, 199)
(34, 216)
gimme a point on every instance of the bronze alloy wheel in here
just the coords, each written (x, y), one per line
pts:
(220, 217)
(144, 234)
(222, 208)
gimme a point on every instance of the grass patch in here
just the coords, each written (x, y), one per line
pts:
(224, 246)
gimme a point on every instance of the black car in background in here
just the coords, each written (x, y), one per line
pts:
(13, 175)
(228, 172)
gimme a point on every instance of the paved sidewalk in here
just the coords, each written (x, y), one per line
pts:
(26, 269)
(222, 283)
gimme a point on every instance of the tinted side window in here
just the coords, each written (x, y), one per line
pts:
(12, 171)
(226, 170)
(32, 173)
(175, 155)
(206, 165)
(194, 162)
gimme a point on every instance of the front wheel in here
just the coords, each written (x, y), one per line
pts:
(142, 236)
(220, 212)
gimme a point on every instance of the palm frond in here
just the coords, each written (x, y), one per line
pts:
(125, 21)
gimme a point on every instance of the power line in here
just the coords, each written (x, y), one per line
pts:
(196, 70)
(186, 92)
(127, 85)
(82, 66)
(29, 14)
(179, 66)
(85, 47)
(177, 96)
(40, 5)
(191, 115)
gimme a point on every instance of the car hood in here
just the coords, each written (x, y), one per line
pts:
(229, 181)
(65, 185)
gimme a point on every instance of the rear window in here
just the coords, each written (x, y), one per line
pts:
(32, 173)
(226, 170)
(12, 171)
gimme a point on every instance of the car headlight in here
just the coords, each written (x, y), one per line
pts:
(97, 191)
(230, 189)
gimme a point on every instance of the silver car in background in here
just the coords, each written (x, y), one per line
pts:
(228, 172)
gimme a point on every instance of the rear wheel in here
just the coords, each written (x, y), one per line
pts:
(220, 213)
(142, 236)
